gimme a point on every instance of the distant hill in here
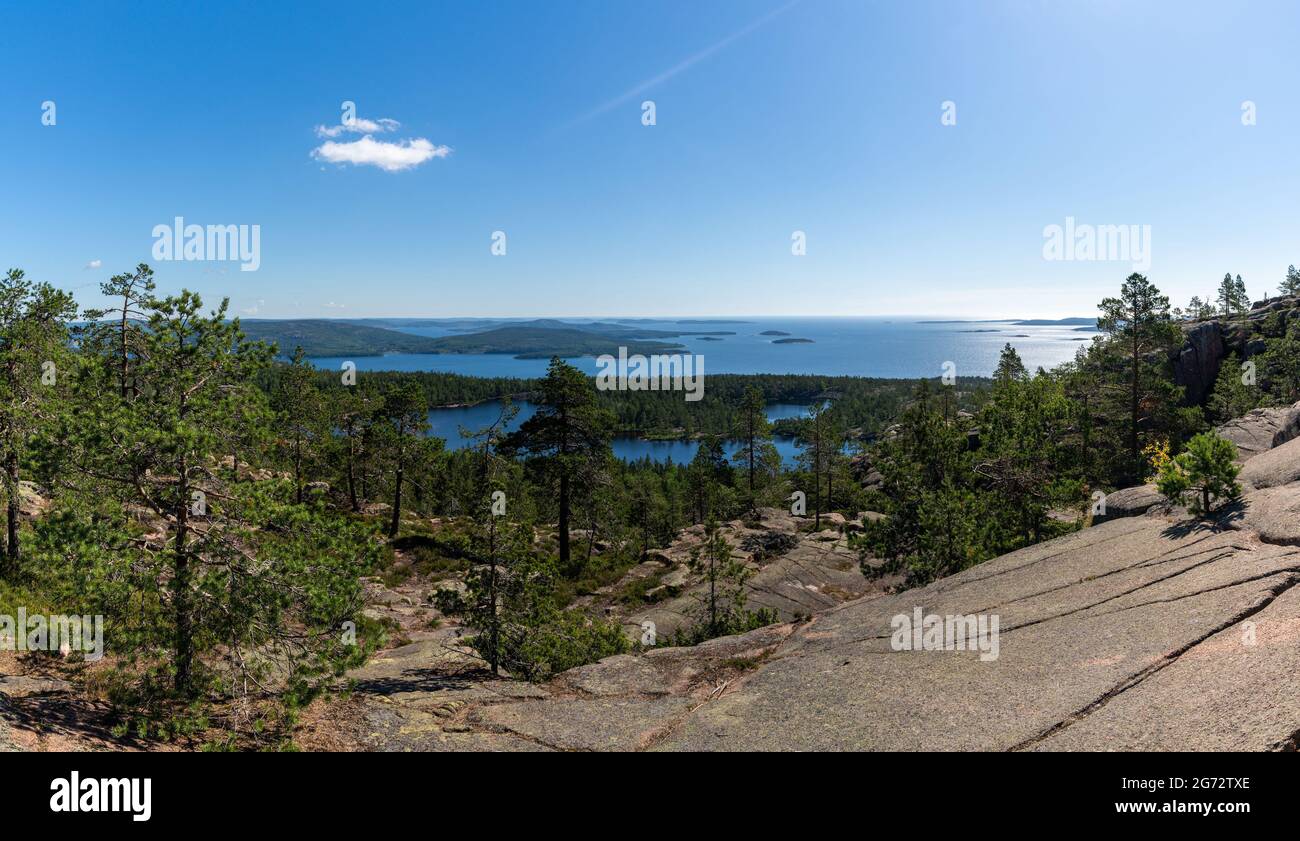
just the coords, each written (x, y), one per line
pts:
(539, 339)
(1056, 322)
(1023, 322)
(326, 337)
(529, 342)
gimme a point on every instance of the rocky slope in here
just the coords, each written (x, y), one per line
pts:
(1143, 633)
(817, 572)
(1146, 632)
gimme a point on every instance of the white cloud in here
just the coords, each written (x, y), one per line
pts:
(390, 157)
(335, 306)
(95, 264)
(359, 125)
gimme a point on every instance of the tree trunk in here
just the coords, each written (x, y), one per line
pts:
(181, 590)
(397, 502)
(1133, 432)
(713, 595)
(12, 512)
(564, 518)
(126, 303)
(752, 502)
(495, 637)
(352, 478)
(297, 470)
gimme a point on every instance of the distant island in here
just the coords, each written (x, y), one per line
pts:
(328, 337)
(680, 321)
(1019, 322)
(528, 342)
(774, 333)
(1058, 322)
(536, 339)
(792, 341)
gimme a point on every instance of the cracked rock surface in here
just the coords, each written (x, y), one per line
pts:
(1142, 633)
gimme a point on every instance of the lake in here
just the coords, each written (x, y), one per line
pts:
(447, 422)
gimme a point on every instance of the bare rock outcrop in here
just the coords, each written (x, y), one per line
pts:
(813, 571)
(1207, 343)
(1197, 364)
(1261, 430)
(1274, 468)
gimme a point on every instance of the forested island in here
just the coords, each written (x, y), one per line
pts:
(536, 339)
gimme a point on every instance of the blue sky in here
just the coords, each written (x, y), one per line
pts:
(821, 116)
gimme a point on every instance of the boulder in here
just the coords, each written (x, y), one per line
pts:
(1273, 514)
(1261, 430)
(30, 501)
(1273, 468)
(1130, 502)
(21, 686)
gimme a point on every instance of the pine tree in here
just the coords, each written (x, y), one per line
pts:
(1140, 329)
(300, 418)
(1232, 296)
(1207, 470)
(822, 438)
(1290, 285)
(120, 337)
(406, 420)
(354, 413)
(708, 470)
(1023, 428)
(1010, 367)
(1198, 310)
(1279, 366)
(720, 605)
(231, 569)
(924, 466)
(1232, 397)
(209, 571)
(757, 456)
(567, 431)
(33, 346)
